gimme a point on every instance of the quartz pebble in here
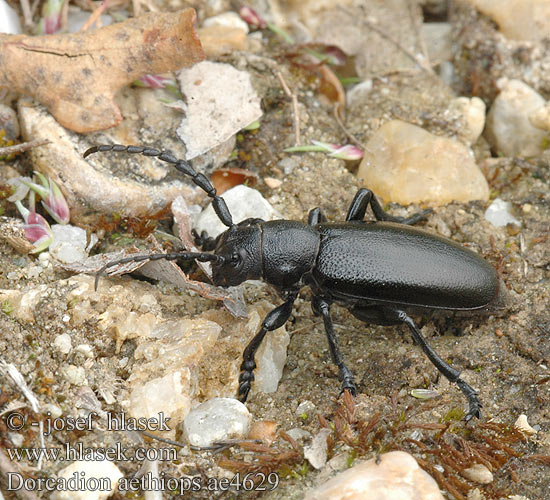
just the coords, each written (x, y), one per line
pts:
(518, 19)
(63, 343)
(498, 213)
(395, 477)
(478, 473)
(70, 243)
(404, 163)
(229, 19)
(243, 203)
(316, 452)
(509, 128)
(472, 111)
(89, 474)
(218, 419)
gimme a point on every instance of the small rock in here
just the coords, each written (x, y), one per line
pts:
(220, 101)
(541, 117)
(218, 419)
(396, 477)
(243, 203)
(229, 19)
(478, 473)
(63, 343)
(53, 410)
(518, 20)
(522, 425)
(405, 164)
(70, 243)
(9, 20)
(98, 477)
(270, 356)
(473, 113)
(264, 430)
(76, 375)
(498, 213)
(509, 129)
(305, 408)
(169, 395)
(316, 452)
(299, 434)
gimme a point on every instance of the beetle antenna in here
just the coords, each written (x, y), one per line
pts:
(218, 203)
(200, 256)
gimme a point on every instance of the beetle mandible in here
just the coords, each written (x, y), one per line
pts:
(380, 271)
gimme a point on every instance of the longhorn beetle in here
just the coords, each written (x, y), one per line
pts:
(381, 271)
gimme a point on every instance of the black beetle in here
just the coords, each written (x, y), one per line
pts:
(381, 271)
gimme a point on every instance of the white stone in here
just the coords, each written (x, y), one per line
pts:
(509, 129)
(541, 117)
(518, 19)
(316, 452)
(270, 356)
(478, 473)
(218, 419)
(473, 113)
(9, 20)
(69, 244)
(305, 408)
(220, 101)
(63, 343)
(170, 394)
(53, 410)
(397, 476)
(406, 164)
(103, 473)
(498, 213)
(76, 375)
(243, 203)
(229, 19)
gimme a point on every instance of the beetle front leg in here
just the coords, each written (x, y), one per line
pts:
(322, 307)
(451, 373)
(275, 319)
(364, 197)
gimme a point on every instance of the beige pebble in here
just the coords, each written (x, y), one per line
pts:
(404, 163)
(395, 477)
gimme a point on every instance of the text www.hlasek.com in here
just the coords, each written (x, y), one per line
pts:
(79, 452)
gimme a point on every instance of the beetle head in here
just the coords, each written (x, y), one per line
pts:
(240, 247)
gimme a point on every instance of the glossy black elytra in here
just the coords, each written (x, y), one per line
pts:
(380, 271)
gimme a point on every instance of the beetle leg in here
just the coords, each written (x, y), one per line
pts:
(364, 197)
(322, 307)
(203, 241)
(275, 319)
(451, 373)
(316, 216)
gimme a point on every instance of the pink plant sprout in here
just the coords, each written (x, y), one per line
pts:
(53, 200)
(348, 152)
(252, 18)
(37, 230)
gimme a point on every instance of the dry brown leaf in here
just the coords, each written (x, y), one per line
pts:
(76, 75)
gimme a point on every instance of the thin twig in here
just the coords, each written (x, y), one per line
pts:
(95, 15)
(27, 15)
(349, 135)
(21, 148)
(296, 114)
